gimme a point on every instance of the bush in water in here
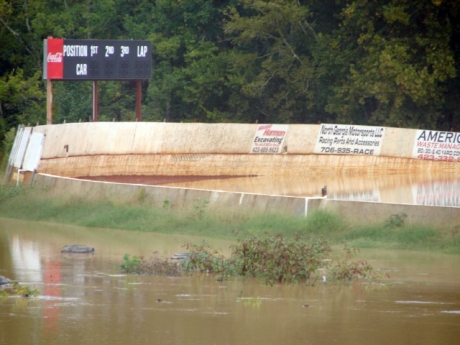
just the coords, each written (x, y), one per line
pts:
(272, 258)
(151, 266)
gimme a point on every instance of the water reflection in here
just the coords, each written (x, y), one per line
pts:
(26, 259)
(85, 300)
(434, 190)
(437, 193)
(52, 289)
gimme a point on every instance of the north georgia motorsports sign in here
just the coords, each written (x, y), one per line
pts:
(96, 59)
(349, 140)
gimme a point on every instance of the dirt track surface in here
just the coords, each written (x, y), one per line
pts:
(152, 180)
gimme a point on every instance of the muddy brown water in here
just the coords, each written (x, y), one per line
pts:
(416, 189)
(84, 299)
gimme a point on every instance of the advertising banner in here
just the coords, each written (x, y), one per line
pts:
(349, 140)
(437, 146)
(54, 61)
(269, 139)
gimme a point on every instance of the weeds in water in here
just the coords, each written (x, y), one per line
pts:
(272, 258)
(277, 259)
(131, 264)
(345, 270)
(203, 258)
(16, 289)
(152, 266)
(160, 267)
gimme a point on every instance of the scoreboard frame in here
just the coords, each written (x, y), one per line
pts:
(74, 59)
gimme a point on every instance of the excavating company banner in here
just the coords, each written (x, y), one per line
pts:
(269, 139)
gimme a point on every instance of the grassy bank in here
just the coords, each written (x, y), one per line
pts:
(38, 204)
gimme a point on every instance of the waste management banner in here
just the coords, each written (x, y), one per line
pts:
(437, 146)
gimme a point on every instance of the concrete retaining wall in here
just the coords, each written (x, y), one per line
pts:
(118, 138)
(94, 149)
(447, 217)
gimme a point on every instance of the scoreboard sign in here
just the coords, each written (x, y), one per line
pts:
(96, 59)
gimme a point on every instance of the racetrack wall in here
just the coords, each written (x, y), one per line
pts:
(179, 198)
(144, 148)
(197, 149)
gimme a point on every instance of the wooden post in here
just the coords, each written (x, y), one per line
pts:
(49, 102)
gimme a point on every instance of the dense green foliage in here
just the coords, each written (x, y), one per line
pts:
(38, 204)
(392, 62)
(274, 259)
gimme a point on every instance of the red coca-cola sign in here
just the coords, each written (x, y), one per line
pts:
(54, 58)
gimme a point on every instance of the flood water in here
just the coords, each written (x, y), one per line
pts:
(84, 299)
(432, 190)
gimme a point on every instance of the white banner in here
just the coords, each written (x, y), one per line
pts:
(20, 150)
(349, 140)
(437, 146)
(34, 152)
(269, 139)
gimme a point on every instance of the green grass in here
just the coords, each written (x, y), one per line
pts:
(38, 204)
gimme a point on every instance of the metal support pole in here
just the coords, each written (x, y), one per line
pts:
(95, 102)
(138, 100)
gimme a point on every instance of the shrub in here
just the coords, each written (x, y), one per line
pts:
(131, 265)
(345, 270)
(273, 258)
(277, 259)
(152, 266)
(202, 258)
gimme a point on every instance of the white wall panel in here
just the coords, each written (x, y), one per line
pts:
(22, 147)
(34, 152)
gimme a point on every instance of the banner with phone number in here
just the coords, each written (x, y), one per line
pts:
(349, 140)
(269, 138)
(437, 146)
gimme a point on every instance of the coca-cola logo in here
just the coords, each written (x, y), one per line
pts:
(54, 57)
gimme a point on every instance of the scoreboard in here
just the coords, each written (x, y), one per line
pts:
(70, 59)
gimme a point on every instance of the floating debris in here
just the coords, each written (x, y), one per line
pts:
(181, 256)
(77, 249)
(4, 280)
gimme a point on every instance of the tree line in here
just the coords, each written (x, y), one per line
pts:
(389, 62)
